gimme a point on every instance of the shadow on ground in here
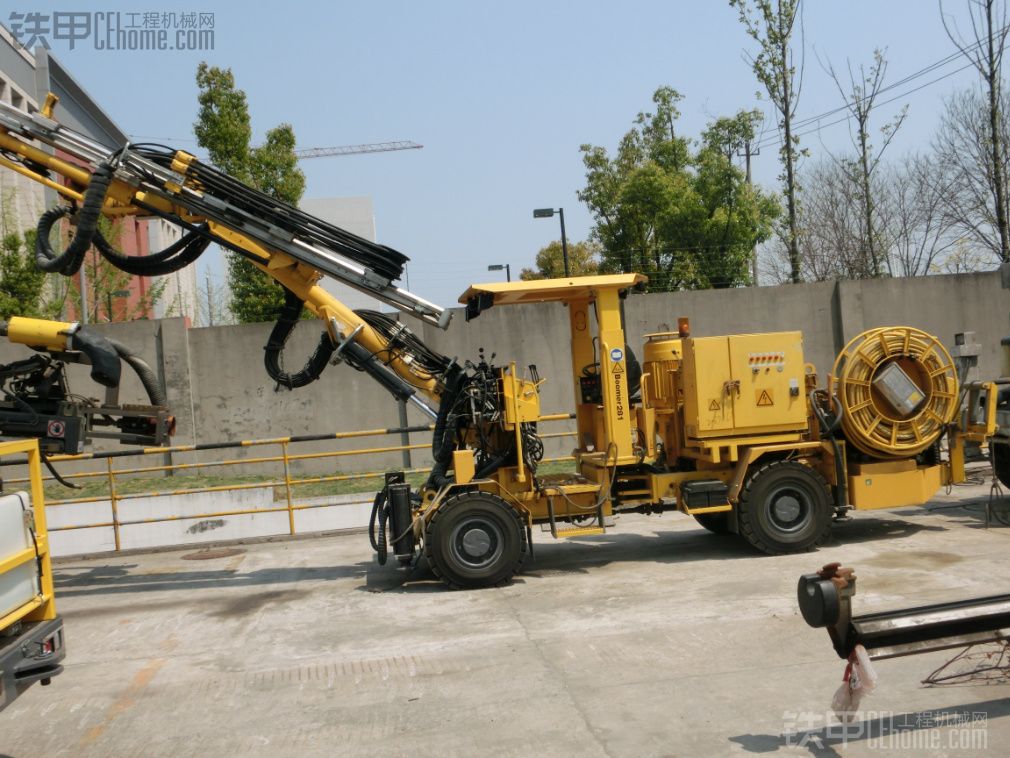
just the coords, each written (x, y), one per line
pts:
(893, 729)
(579, 556)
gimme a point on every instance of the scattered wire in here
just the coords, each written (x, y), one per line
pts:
(979, 665)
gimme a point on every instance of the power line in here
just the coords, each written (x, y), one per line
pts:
(774, 141)
(777, 140)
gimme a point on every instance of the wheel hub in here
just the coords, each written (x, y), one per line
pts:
(789, 509)
(476, 542)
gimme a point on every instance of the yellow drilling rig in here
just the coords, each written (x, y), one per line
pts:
(732, 430)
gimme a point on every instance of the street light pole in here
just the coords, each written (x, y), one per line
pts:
(547, 213)
(499, 267)
(564, 241)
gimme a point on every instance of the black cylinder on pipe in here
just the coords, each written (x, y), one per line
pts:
(400, 520)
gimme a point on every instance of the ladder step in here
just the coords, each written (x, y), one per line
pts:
(709, 509)
(583, 532)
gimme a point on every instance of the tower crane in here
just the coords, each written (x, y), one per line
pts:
(371, 147)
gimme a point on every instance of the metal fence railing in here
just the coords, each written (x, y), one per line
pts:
(118, 500)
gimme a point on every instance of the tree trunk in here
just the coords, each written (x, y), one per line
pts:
(993, 82)
(867, 200)
(787, 124)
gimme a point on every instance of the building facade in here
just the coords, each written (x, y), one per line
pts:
(25, 79)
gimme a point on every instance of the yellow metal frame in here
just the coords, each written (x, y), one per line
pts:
(43, 606)
(289, 482)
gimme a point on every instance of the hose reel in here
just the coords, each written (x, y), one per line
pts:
(898, 389)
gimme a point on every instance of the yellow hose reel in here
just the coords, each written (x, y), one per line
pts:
(898, 389)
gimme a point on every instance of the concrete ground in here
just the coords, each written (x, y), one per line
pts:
(655, 639)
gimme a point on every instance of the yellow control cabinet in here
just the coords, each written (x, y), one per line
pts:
(744, 384)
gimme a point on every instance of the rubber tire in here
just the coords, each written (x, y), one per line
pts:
(492, 510)
(754, 514)
(717, 523)
(1000, 453)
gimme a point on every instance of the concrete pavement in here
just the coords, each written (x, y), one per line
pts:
(654, 639)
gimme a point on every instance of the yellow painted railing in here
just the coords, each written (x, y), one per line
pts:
(285, 457)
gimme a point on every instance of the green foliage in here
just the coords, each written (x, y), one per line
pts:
(22, 285)
(582, 261)
(223, 129)
(685, 217)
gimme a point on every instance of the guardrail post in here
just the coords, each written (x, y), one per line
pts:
(404, 435)
(287, 487)
(114, 500)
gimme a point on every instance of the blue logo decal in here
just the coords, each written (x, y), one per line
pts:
(616, 354)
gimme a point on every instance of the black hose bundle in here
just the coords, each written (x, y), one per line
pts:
(290, 314)
(399, 336)
(384, 261)
(174, 257)
(69, 261)
(380, 515)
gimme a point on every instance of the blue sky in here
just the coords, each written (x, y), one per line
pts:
(501, 96)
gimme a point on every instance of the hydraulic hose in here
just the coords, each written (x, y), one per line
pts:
(143, 371)
(285, 325)
(174, 257)
(69, 261)
(379, 515)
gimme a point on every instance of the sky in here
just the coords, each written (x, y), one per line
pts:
(501, 95)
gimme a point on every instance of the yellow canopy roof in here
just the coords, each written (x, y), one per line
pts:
(551, 290)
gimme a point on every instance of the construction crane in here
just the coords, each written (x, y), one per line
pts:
(372, 147)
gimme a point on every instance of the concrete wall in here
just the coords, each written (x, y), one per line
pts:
(218, 389)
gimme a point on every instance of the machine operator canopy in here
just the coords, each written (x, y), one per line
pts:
(480, 297)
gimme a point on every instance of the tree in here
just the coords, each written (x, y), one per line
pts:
(830, 246)
(223, 128)
(686, 218)
(914, 234)
(860, 97)
(771, 24)
(550, 262)
(109, 297)
(913, 218)
(963, 164)
(22, 284)
(23, 287)
(212, 304)
(985, 53)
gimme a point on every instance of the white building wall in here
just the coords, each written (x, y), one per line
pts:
(180, 295)
(22, 201)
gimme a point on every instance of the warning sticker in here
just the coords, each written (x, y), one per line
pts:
(55, 429)
(764, 398)
(617, 369)
(714, 405)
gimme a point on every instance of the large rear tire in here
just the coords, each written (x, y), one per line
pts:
(785, 507)
(475, 539)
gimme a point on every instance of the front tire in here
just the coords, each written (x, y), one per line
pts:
(785, 507)
(717, 523)
(475, 539)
